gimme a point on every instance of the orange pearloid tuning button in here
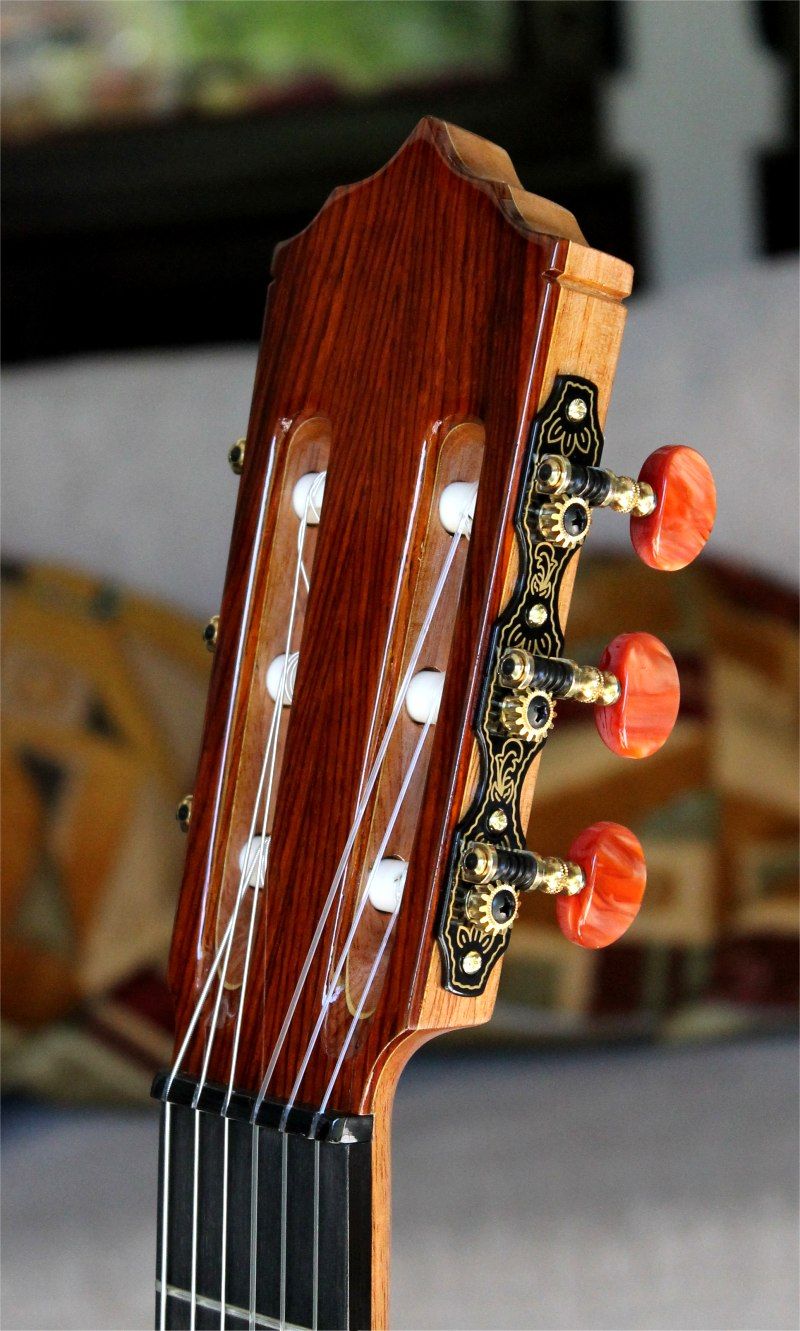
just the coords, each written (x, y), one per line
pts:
(675, 532)
(613, 864)
(642, 718)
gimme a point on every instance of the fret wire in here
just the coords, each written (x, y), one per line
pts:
(261, 1320)
(224, 1244)
(195, 1200)
(162, 1310)
(315, 1257)
(284, 1190)
(347, 1248)
(253, 1222)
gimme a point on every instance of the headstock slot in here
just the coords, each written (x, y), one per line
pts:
(455, 456)
(304, 448)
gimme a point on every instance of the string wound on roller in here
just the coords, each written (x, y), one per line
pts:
(672, 505)
(307, 497)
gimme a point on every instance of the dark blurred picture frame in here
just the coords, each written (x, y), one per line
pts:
(158, 232)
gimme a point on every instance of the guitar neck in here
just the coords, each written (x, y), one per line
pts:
(284, 1215)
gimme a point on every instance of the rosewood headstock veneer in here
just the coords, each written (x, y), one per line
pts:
(421, 467)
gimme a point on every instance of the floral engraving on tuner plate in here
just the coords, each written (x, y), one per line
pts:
(506, 759)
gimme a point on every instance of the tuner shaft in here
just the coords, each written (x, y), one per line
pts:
(557, 676)
(600, 487)
(522, 869)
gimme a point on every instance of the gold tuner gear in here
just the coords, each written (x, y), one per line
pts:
(528, 714)
(564, 521)
(492, 909)
(211, 632)
(236, 456)
(183, 813)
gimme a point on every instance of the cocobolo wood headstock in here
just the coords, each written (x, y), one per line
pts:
(420, 469)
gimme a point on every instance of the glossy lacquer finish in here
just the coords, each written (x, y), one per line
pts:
(413, 331)
(415, 300)
(418, 302)
(614, 865)
(642, 718)
(675, 533)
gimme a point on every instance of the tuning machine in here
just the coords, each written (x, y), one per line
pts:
(600, 885)
(183, 813)
(211, 633)
(236, 456)
(635, 689)
(672, 504)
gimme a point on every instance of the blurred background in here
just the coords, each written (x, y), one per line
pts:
(154, 151)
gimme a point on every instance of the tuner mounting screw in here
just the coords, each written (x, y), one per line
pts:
(577, 409)
(498, 821)
(492, 909)
(183, 813)
(211, 632)
(471, 963)
(564, 521)
(537, 615)
(236, 456)
(528, 715)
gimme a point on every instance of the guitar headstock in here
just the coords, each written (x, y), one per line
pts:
(420, 469)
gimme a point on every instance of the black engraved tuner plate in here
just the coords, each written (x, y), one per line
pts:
(469, 953)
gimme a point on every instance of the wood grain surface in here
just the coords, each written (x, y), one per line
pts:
(435, 297)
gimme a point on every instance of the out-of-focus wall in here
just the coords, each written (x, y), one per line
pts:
(147, 145)
(114, 470)
(699, 98)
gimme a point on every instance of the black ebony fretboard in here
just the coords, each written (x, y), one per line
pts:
(297, 1248)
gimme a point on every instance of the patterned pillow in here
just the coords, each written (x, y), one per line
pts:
(103, 697)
